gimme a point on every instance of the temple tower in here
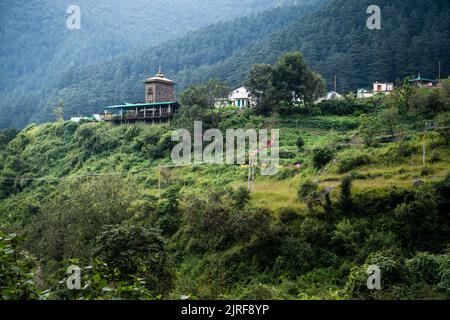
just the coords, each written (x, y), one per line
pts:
(159, 89)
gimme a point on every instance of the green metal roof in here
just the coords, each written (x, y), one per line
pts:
(419, 78)
(137, 105)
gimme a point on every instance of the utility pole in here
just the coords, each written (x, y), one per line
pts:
(158, 173)
(251, 172)
(424, 147)
(439, 71)
(335, 82)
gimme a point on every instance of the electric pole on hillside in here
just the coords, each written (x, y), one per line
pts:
(335, 82)
(424, 148)
(439, 71)
(424, 144)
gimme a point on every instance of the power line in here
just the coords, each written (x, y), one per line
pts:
(158, 168)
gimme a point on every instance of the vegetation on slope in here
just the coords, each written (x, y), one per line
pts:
(335, 39)
(352, 192)
(46, 62)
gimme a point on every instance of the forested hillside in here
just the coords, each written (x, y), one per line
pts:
(351, 191)
(32, 59)
(333, 40)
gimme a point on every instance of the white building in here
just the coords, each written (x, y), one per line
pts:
(378, 88)
(241, 98)
(94, 117)
(364, 94)
(382, 87)
(332, 95)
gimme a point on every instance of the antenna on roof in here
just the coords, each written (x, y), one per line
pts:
(335, 82)
(439, 71)
(159, 70)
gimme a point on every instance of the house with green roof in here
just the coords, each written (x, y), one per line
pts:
(422, 82)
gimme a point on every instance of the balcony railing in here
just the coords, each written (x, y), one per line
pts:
(140, 115)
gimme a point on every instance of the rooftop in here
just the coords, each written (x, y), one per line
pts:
(138, 105)
(419, 78)
(159, 77)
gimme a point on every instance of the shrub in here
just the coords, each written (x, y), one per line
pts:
(314, 231)
(137, 252)
(418, 222)
(300, 143)
(259, 292)
(345, 200)
(286, 173)
(16, 281)
(443, 121)
(307, 192)
(6, 135)
(393, 276)
(352, 159)
(102, 282)
(424, 267)
(345, 107)
(322, 155)
(346, 235)
(288, 215)
(241, 197)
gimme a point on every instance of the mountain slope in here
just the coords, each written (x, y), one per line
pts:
(37, 48)
(36, 40)
(119, 78)
(413, 38)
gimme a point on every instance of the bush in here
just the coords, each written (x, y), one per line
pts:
(286, 173)
(102, 282)
(394, 277)
(259, 292)
(424, 267)
(213, 223)
(418, 222)
(16, 281)
(405, 149)
(345, 107)
(241, 197)
(352, 159)
(300, 143)
(314, 231)
(322, 155)
(6, 135)
(346, 236)
(137, 252)
(345, 200)
(443, 121)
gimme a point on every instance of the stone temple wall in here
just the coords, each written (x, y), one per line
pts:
(159, 92)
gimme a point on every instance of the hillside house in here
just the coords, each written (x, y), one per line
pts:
(241, 98)
(332, 95)
(379, 87)
(160, 104)
(423, 82)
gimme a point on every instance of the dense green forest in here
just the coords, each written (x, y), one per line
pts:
(334, 40)
(351, 191)
(38, 49)
(360, 182)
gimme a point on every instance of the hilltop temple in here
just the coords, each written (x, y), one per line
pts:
(159, 106)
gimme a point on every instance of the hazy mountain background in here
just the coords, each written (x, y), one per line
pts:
(35, 38)
(39, 55)
(106, 66)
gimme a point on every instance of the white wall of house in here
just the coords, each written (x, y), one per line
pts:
(363, 94)
(332, 95)
(383, 87)
(241, 98)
